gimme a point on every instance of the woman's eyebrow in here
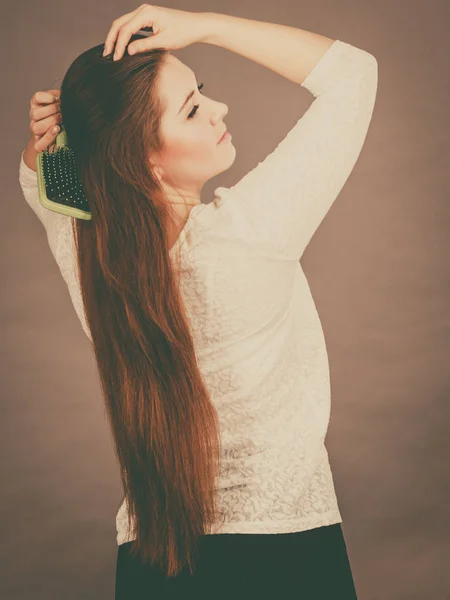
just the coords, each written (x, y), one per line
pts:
(188, 97)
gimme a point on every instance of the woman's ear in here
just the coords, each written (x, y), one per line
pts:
(156, 170)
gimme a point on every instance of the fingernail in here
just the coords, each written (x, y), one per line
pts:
(55, 129)
(115, 56)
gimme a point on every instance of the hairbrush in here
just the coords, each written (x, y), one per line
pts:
(59, 186)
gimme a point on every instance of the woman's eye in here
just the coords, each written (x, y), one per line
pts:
(194, 110)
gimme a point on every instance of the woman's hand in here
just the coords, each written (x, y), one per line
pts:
(44, 115)
(172, 29)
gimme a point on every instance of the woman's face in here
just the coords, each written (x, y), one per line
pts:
(191, 154)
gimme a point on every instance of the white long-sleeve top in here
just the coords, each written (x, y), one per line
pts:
(259, 341)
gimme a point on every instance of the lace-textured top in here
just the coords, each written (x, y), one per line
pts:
(259, 341)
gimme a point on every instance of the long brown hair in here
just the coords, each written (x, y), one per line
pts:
(164, 425)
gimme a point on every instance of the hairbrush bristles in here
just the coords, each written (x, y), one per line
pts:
(60, 188)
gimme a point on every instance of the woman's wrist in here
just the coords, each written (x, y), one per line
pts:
(30, 154)
(212, 24)
(288, 51)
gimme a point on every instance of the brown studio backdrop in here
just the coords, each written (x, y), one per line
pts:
(378, 271)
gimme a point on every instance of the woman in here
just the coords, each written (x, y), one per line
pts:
(209, 347)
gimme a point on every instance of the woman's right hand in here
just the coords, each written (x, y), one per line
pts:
(172, 29)
(44, 115)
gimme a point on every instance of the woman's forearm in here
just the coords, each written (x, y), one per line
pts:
(30, 154)
(289, 51)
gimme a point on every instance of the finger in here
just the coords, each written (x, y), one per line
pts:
(55, 92)
(42, 97)
(46, 140)
(126, 31)
(42, 111)
(114, 29)
(43, 125)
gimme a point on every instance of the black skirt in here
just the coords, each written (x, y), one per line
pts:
(305, 565)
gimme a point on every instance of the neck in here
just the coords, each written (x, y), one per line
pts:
(187, 199)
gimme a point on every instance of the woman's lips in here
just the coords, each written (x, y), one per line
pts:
(225, 136)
